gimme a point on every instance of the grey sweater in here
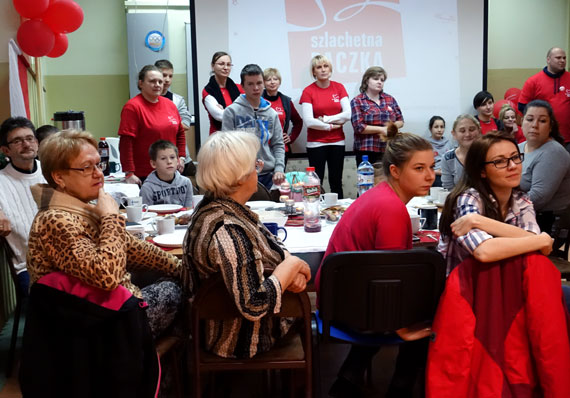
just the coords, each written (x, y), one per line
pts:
(264, 123)
(451, 170)
(546, 176)
(154, 191)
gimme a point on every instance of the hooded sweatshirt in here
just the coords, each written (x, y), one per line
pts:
(154, 191)
(439, 149)
(264, 123)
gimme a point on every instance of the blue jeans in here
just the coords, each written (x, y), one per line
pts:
(266, 179)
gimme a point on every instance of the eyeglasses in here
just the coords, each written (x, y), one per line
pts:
(222, 64)
(30, 139)
(504, 162)
(89, 170)
(259, 165)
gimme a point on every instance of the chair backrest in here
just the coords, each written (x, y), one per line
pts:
(380, 291)
(261, 194)
(11, 259)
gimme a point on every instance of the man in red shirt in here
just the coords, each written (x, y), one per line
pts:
(552, 84)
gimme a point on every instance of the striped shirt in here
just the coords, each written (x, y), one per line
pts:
(228, 238)
(520, 214)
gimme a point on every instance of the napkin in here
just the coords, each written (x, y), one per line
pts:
(295, 221)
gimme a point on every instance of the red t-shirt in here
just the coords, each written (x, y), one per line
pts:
(277, 106)
(487, 126)
(144, 122)
(326, 102)
(377, 220)
(554, 90)
(227, 99)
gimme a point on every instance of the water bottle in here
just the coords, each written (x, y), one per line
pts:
(365, 176)
(311, 200)
(104, 155)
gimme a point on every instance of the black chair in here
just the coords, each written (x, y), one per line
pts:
(261, 194)
(379, 297)
(21, 295)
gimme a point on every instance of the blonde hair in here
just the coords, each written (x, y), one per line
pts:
(58, 150)
(466, 116)
(225, 159)
(270, 72)
(504, 109)
(317, 60)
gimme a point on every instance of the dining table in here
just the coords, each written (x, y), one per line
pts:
(309, 246)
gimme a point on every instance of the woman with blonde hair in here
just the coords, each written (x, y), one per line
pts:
(465, 130)
(508, 116)
(225, 237)
(325, 108)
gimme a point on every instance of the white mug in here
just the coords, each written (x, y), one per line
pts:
(136, 230)
(442, 195)
(132, 201)
(417, 222)
(163, 225)
(135, 213)
(329, 198)
(434, 192)
(196, 199)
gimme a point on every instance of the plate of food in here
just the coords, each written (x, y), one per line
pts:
(164, 209)
(261, 204)
(333, 213)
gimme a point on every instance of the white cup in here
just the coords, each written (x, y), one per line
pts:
(163, 225)
(329, 198)
(196, 199)
(132, 201)
(417, 222)
(136, 230)
(434, 192)
(442, 195)
(135, 213)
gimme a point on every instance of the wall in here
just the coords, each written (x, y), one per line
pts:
(520, 34)
(9, 22)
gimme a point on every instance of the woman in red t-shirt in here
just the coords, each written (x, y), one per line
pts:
(325, 108)
(485, 103)
(508, 116)
(221, 91)
(146, 118)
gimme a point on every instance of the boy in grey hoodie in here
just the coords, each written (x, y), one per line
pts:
(251, 112)
(165, 185)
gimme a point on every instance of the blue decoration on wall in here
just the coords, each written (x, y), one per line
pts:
(155, 40)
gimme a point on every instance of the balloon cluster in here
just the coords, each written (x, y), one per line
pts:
(511, 97)
(44, 32)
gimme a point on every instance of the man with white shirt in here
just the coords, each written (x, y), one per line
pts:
(17, 207)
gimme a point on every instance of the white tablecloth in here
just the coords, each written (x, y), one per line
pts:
(299, 241)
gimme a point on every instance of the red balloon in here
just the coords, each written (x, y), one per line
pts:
(31, 8)
(513, 94)
(499, 104)
(60, 46)
(35, 38)
(63, 16)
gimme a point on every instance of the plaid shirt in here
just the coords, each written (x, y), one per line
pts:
(367, 112)
(520, 214)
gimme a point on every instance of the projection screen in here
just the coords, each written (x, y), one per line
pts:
(432, 50)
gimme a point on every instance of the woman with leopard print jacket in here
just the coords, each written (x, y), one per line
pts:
(89, 241)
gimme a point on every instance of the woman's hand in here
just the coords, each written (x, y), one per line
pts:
(286, 138)
(133, 179)
(105, 204)
(464, 224)
(548, 241)
(278, 178)
(289, 269)
(298, 285)
(180, 166)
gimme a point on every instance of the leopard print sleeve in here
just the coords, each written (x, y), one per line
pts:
(62, 241)
(144, 255)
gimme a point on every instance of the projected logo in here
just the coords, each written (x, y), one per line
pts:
(354, 35)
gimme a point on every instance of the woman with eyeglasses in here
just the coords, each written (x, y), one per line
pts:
(225, 237)
(221, 91)
(486, 215)
(546, 168)
(501, 324)
(89, 241)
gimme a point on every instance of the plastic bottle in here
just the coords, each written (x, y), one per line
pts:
(285, 189)
(104, 154)
(311, 200)
(365, 176)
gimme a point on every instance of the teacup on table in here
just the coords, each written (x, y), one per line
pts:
(135, 213)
